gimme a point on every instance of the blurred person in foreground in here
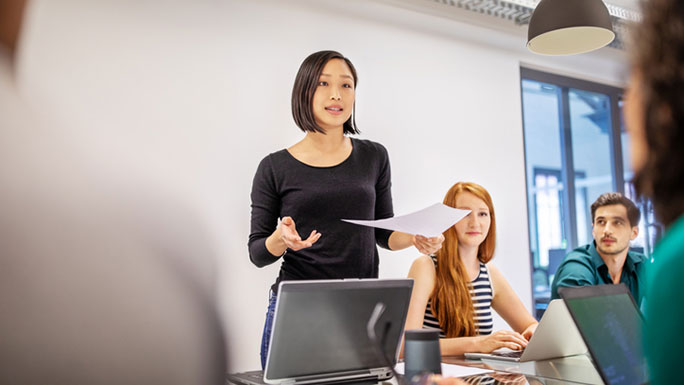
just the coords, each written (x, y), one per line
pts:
(654, 113)
(103, 279)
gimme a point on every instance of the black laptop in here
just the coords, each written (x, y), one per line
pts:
(320, 332)
(611, 325)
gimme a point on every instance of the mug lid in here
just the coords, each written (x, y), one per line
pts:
(422, 335)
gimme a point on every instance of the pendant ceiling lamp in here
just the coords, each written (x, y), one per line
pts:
(568, 27)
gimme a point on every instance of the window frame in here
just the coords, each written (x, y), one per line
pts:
(568, 173)
(568, 167)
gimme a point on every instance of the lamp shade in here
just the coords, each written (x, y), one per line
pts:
(568, 27)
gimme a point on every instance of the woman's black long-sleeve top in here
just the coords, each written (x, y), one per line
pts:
(317, 198)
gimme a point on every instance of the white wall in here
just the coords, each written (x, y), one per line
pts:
(198, 92)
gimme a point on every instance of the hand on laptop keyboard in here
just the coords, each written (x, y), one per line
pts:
(502, 339)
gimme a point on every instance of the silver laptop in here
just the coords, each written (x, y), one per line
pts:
(556, 336)
(320, 332)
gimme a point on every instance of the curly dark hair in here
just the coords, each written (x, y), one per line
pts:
(658, 59)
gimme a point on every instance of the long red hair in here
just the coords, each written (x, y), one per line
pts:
(451, 302)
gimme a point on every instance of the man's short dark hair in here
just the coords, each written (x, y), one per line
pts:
(613, 198)
(305, 86)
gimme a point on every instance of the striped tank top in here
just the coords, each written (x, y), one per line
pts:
(481, 293)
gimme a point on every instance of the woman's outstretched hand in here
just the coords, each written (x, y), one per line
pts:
(291, 238)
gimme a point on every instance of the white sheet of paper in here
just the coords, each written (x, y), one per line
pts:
(449, 370)
(430, 221)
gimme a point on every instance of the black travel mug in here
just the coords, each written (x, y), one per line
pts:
(421, 353)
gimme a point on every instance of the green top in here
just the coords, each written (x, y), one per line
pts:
(663, 335)
(585, 267)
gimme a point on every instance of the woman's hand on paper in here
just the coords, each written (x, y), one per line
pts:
(428, 246)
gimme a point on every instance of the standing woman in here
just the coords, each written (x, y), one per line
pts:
(325, 177)
(455, 290)
(654, 113)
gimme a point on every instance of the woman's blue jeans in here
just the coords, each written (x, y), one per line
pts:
(268, 326)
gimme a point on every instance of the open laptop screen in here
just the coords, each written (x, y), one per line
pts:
(320, 326)
(611, 324)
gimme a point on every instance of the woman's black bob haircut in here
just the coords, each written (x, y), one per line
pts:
(305, 86)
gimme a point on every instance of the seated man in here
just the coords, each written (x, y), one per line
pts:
(615, 221)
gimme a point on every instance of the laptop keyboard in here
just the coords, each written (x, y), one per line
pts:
(513, 354)
(253, 377)
(256, 375)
